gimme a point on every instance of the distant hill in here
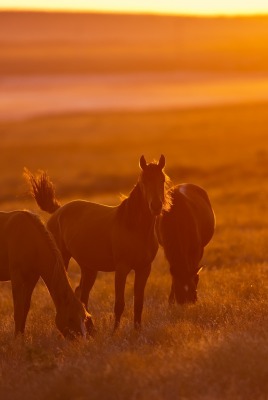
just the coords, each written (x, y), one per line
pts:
(51, 43)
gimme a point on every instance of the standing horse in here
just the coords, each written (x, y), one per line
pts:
(104, 238)
(184, 230)
(28, 251)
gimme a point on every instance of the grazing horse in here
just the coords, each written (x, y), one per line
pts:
(104, 238)
(28, 251)
(183, 231)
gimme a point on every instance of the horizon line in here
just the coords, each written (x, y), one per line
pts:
(132, 12)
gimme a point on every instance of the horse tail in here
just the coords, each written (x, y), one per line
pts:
(42, 190)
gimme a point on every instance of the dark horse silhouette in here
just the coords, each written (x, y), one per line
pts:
(28, 251)
(104, 238)
(183, 231)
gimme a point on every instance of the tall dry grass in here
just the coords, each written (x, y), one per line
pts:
(216, 349)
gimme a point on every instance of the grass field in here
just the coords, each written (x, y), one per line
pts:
(216, 349)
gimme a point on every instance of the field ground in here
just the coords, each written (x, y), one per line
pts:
(24, 97)
(216, 349)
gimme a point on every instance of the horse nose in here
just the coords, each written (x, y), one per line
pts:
(156, 207)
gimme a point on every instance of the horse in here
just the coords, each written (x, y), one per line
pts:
(183, 231)
(109, 238)
(27, 252)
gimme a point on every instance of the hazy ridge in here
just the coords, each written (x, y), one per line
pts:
(85, 43)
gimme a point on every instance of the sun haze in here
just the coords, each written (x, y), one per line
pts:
(193, 7)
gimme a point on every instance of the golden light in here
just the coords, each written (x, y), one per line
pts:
(205, 7)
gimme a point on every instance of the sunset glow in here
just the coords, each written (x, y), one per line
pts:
(196, 7)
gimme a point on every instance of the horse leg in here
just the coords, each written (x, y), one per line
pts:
(66, 258)
(22, 292)
(56, 233)
(119, 305)
(87, 281)
(141, 276)
(171, 299)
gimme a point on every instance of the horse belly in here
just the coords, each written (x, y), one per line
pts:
(134, 250)
(95, 262)
(4, 273)
(93, 252)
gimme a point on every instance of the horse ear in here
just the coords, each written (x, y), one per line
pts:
(143, 162)
(161, 162)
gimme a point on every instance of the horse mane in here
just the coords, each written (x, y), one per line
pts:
(168, 193)
(42, 190)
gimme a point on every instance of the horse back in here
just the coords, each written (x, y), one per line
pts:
(200, 207)
(21, 244)
(16, 230)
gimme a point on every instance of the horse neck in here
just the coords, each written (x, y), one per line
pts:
(135, 211)
(57, 282)
(51, 268)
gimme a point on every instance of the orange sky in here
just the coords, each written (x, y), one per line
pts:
(199, 7)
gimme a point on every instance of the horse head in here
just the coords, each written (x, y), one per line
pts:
(184, 289)
(152, 183)
(74, 321)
